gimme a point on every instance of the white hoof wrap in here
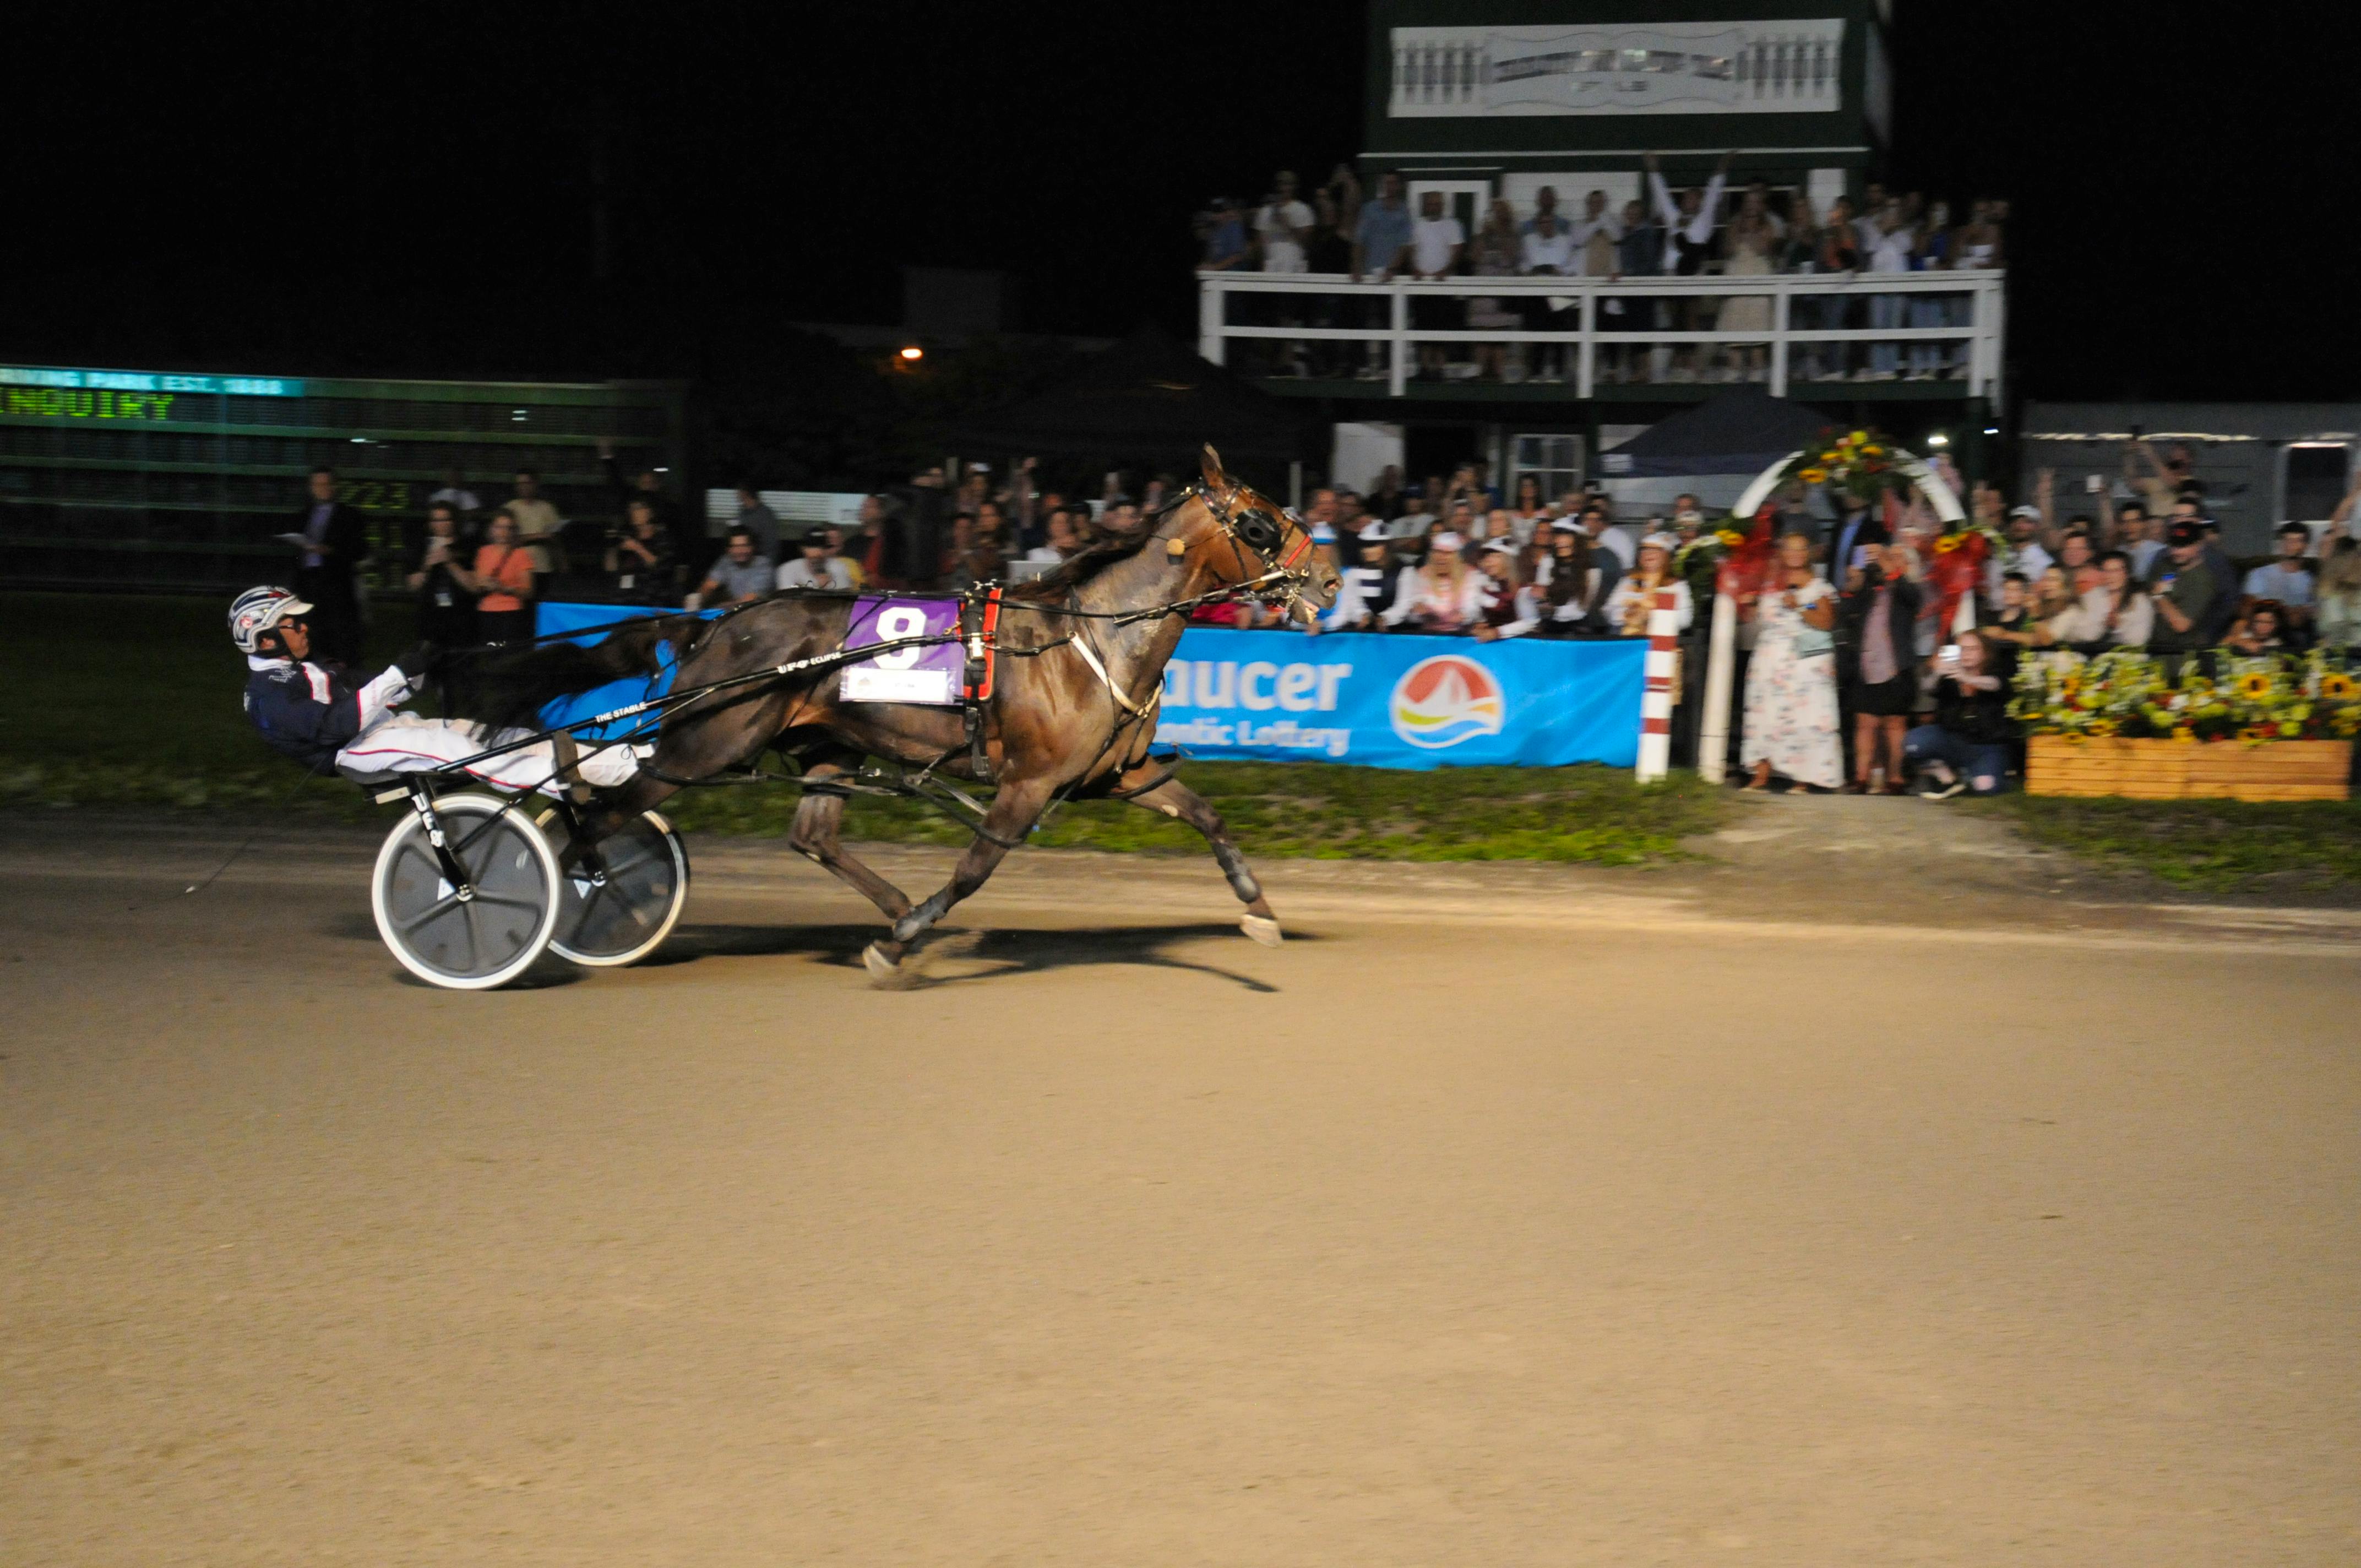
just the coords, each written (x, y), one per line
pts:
(878, 963)
(1261, 929)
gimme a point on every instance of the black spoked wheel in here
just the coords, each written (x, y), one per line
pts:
(622, 913)
(488, 932)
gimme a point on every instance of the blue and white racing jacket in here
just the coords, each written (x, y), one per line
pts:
(311, 713)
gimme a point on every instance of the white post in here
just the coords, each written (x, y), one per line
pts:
(1720, 659)
(1585, 361)
(1401, 347)
(1656, 694)
(1781, 311)
(1209, 341)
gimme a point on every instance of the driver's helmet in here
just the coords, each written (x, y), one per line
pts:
(256, 610)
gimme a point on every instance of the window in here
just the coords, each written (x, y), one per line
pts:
(2316, 479)
(1554, 460)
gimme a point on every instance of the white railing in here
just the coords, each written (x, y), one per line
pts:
(1976, 316)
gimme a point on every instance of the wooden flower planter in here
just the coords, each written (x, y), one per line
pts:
(2179, 769)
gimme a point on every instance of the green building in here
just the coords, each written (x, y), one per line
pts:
(169, 481)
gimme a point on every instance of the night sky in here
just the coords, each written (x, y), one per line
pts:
(409, 190)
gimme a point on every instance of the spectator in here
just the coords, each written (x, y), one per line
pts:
(641, 564)
(2013, 621)
(2078, 560)
(2022, 554)
(1442, 597)
(1791, 682)
(446, 610)
(1367, 590)
(502, 579)
(1979, 242)
(2261, 630)
(758, 520)
(1888, 243)
(2136, 533)
(335, 543)
(1967, 745)
(1530, 514)
(464, 502)
(1344, 188)
(1496, 252)
(2113, 613)
(2163, 479)
(1329, 252)
(1688, 240)
(1750, 238)
(1880, 666)
(2338, 602)
(2057, 610)
(817, 567)
(1225, 239)
(1595, 235)
(537, 527)
(743, 573)
(644, 481)
(1857, 531)
(1381, 240)
(1572, 583)
(1932, 361)
(1547, 251)
(1596, 519)
(1283, 223)
(1634, 598)
(1544, 207)
(1639, 253)
(2288, 580)
(1063, 542)
(2183, 589)
(1838, 253)
(1437, 242)
(1504, 608)
(852, 551)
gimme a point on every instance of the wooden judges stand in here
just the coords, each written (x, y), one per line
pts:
(2183, 770)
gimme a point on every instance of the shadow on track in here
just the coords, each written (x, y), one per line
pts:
(1008, 951)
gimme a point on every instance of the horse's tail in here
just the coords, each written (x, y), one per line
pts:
(506, 688)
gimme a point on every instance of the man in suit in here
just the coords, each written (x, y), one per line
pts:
(328, 564)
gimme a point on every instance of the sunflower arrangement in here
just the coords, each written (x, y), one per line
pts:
(1860, 462)
(2126, 693)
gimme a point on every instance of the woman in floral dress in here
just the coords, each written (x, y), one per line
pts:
(1791, 682)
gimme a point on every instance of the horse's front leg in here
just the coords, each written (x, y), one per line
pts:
(1177, 800)
(1010, 817)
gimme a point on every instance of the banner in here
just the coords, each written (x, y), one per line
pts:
(1772, 66)
(1391, 701)
(1397, 701)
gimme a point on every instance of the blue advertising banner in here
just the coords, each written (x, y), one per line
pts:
(1399, 701)
(1391, 701)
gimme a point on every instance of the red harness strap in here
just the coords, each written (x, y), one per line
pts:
(985, 636)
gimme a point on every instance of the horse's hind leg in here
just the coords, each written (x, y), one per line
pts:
(1010, 817)
(814, 837)
(1177, 800)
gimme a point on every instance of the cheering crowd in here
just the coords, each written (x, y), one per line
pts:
(1751, 232)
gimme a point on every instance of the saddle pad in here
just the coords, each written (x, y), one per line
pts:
(929, 675)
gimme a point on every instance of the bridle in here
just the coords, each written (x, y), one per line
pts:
(1284, 564)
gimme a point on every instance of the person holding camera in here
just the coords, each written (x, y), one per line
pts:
(1880, 665)
(1966, 748)
(640, 558)
(446, 606)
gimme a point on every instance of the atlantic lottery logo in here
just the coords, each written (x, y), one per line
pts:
(1445, 700)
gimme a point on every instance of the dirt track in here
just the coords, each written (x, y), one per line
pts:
(1503, 1216)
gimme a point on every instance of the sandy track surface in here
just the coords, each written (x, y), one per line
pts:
(1503, 1216)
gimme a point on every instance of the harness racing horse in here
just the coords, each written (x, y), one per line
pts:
(1081, 656)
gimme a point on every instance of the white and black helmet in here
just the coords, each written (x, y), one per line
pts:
(258, 610)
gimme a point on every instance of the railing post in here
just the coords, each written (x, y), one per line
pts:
(1586, 351)
(1398, 370)
(1779, 319)
(1994, 304)
(1210, 315)
(1720, 661)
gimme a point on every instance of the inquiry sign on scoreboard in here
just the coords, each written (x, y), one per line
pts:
(1403, 701)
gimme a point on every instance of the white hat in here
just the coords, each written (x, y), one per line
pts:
(1322, 534)
(1566, 525)
(2033, 512)
(1500, 547)
(1664, 542)
(1446, 540)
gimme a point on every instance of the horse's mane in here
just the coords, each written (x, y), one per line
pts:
(1105, 551)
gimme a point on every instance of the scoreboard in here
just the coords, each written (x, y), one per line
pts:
(151, 480)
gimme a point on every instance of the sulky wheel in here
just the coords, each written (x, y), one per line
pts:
(621, 916)
(510, 909)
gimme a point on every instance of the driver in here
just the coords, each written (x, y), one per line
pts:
(316, 715)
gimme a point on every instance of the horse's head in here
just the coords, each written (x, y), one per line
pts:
(1247, 539)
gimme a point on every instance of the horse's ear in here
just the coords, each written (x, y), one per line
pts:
(1210, 465)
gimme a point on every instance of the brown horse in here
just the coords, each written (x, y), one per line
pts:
(1079, 675)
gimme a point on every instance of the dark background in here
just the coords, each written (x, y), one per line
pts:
(410, 190)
